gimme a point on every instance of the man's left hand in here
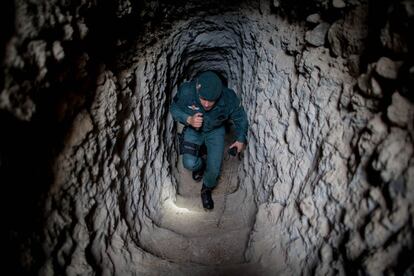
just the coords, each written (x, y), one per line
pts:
(239, 145)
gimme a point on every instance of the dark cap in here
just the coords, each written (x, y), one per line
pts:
(209, 86)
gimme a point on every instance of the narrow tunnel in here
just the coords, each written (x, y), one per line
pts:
(89, 158)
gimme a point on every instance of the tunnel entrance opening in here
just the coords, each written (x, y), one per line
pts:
(185, 232)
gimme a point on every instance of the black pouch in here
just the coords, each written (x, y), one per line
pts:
(180, 141)
(187, 147)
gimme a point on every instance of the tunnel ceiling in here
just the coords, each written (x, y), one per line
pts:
(88, 153)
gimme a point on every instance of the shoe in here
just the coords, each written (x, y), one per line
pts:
(206, 199)
(198, 175)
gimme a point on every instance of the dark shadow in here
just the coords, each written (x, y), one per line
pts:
(25, 175)
(7, 17)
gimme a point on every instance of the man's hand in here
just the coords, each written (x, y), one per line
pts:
(196, 120)
(239, 145)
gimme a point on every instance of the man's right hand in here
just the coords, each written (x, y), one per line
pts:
(196, 120)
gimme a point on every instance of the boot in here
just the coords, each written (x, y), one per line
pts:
(206, 198)
(198, 175)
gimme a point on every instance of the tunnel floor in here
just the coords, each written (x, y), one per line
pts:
(217, 237)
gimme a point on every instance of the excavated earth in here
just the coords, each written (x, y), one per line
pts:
(93, 182)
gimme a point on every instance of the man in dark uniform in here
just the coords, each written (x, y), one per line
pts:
(203, 105)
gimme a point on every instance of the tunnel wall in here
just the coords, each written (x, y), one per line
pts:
(329, 159)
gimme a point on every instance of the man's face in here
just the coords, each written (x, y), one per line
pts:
(207, 105)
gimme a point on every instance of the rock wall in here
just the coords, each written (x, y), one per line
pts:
(327, 87)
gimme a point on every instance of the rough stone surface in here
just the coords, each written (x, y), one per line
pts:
(317, 36)
(344, 38)
(393, 155)
(314, 18)
(325, 186)
(401, 111)
(338, 4)
(387, 68)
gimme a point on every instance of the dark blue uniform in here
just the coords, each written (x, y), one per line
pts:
(228, 107)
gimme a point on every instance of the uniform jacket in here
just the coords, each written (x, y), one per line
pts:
(227, 107)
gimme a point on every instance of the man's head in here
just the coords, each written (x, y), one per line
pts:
(209, 89)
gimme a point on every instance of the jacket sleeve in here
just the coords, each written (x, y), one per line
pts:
(178, 106)
(239, 118)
